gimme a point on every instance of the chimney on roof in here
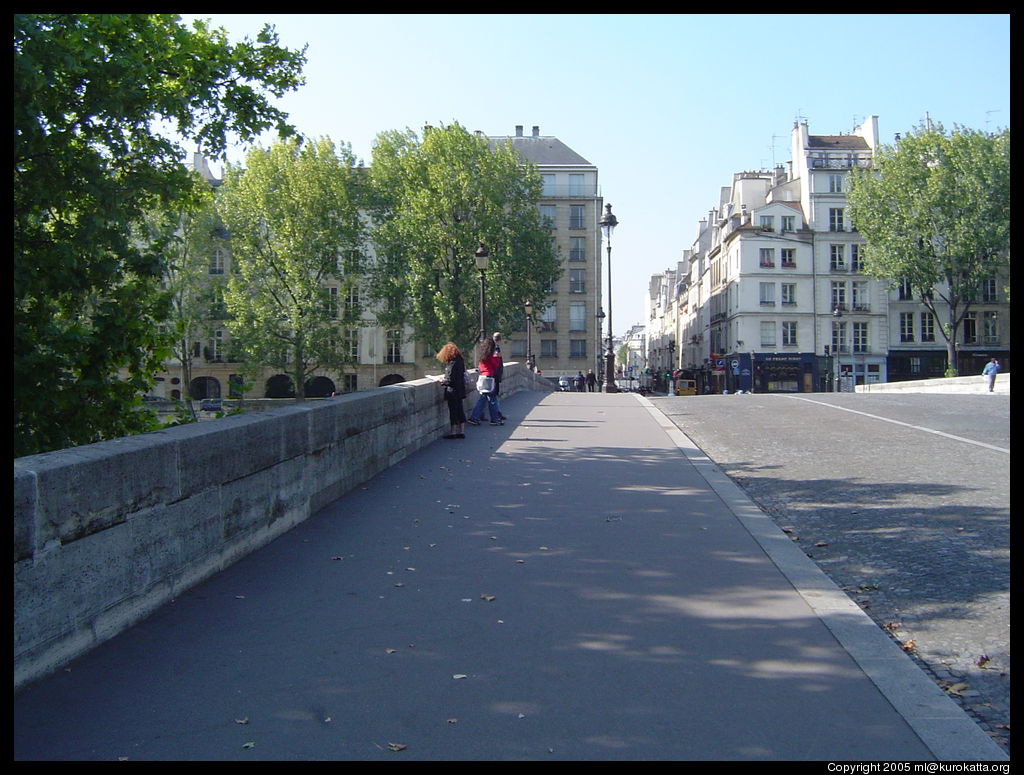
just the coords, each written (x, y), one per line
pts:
(519, 130)
(536, 131)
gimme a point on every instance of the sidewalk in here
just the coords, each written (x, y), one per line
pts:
(579, 584)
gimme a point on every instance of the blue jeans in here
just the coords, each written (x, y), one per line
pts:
(491, 400)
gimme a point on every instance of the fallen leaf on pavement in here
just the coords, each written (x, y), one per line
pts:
(396, 747)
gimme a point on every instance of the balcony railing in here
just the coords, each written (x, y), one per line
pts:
(570, 191)
(838, 164)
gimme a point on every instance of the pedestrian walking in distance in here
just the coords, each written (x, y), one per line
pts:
(990, 371)
(454, 382)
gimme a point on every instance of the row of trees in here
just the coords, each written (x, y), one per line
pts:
(300, 214)
(113, 238)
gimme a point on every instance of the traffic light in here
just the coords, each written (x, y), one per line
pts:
(827, 350)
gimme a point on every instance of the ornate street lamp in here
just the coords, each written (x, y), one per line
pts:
(483, 260)
(837, 319)
(608, 223)
(529, 335)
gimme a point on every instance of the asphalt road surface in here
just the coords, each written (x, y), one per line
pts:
(903, 500)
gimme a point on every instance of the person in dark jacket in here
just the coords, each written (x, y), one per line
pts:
(454, 382)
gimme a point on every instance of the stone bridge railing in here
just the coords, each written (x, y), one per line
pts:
(106, 533)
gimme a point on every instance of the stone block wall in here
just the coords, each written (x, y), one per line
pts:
(106, 533)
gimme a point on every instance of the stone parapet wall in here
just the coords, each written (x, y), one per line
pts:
(972, 384)
(106, 533)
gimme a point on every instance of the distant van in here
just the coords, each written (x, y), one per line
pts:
(686, 387)
(210, 405)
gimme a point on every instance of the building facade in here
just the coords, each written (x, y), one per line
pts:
(772, 295)
(565, 337)
(566, 332)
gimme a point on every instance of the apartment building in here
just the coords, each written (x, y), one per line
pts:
(775, 298)
(566, 337)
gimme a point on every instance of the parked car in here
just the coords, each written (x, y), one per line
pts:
(210, 405)
(686, 387)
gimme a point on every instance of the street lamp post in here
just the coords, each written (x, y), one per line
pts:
(483, 260)
(529, 335)
(608, 223)
(837, 318)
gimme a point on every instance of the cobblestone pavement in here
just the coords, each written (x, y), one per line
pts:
(902, 500)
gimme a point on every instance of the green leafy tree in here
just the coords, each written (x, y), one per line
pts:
(101, 103)
(935, 212)
(194, 252)
(436, 198)
(292, 215)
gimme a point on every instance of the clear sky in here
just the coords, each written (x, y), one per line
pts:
(667, 106)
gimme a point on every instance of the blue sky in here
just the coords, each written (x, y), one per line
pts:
(667, 106)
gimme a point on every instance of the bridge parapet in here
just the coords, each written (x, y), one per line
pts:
(104, 534)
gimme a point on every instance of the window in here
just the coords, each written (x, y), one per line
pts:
(906, 326)
(767, 333)
(547, 216)
(548, 348)
(859, 298)
(989, 291)
(352, 343)
(518, 348)
(856, 262)
(217, 261)
(352, 302)
(860, 337)
(767, 222)
(547, 185)
(789, 333)
(546, 318)
(577, 316)
(351, 383)
(927, 327)
(835, 184)
(835, 219)
(393, 346)
(767, 257)
(904, 292)
(576, 216)
(971, 328)
(577, 348)
(837, 258)
(331, 303)
(767, 294)
(990, 327)
(215, 347)
(577, 280)
(577, 248)
(788, 222)
(576, 187)
(838, 295)
(838, 337)
(789, 294)
(788, 256)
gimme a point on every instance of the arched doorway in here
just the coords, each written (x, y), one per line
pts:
(319, 387)
(280, 386)
(390, 379)
(204, 387)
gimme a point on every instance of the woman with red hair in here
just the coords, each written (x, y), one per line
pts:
(454, 382)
